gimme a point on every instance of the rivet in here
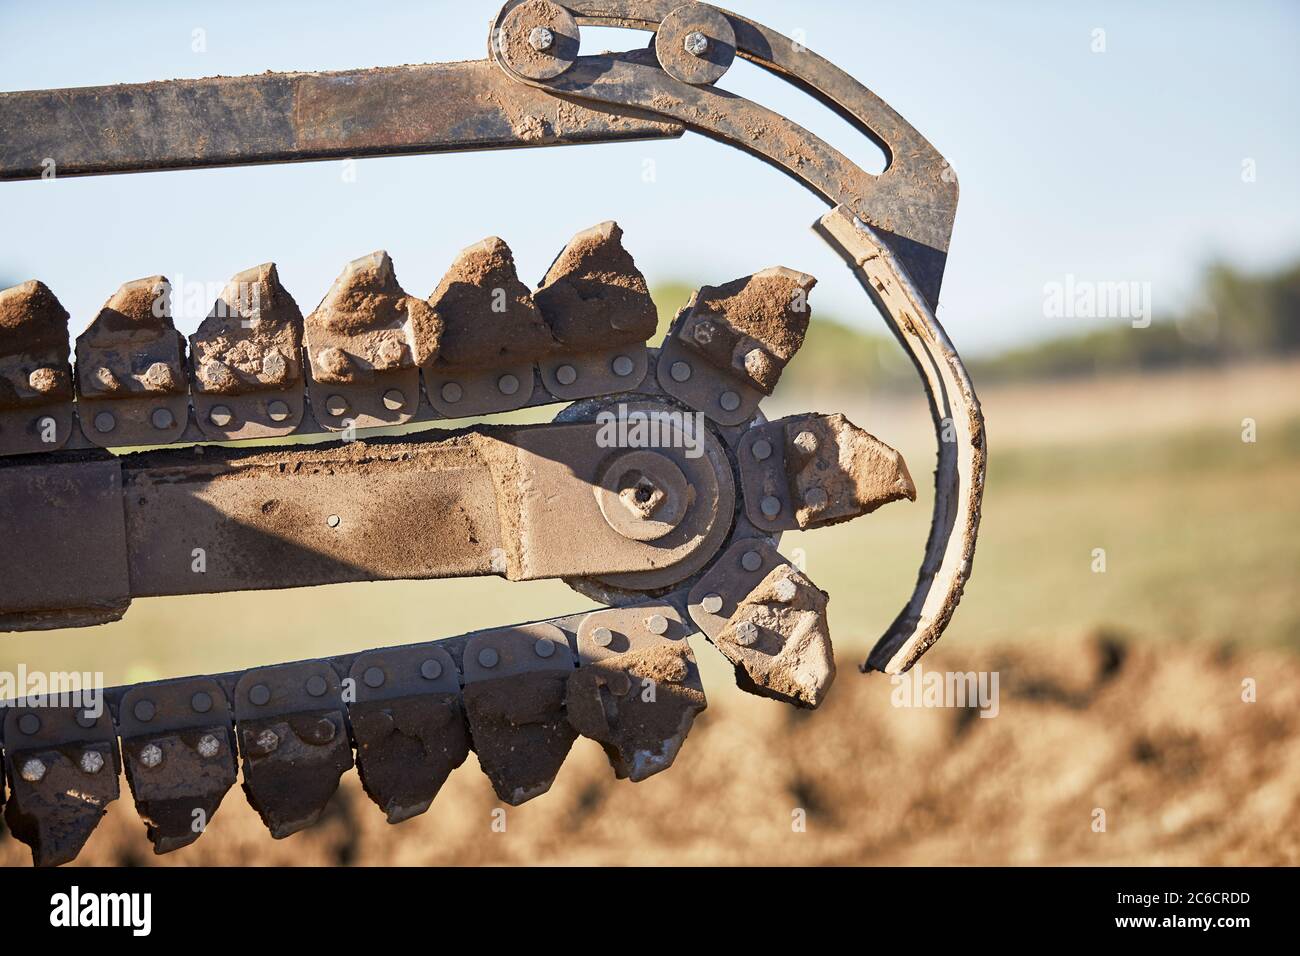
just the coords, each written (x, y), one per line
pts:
(603, 636)
(86, 720)
(544, 648)
(751, 561)
(761, 449)
(316, 685)
(488, 657)
(92, 761)
(696, 43)
(144, 710)
(259, 694)
(566, 374)
(746, 633)
(541, 39)
(33, 770)
(806, 442)
(712, 603)
(201, 702)
(431, 669)
(29, 724)
(151, 755)
(452, 393)
(208, 746)
(729, 401)
(162, 418)
(105, 422)
(623, 366)
(336, 405)
(680, 372)
(221, 416)
(770, 506)
(394, 399)
(656, 624)
(508, 384)
(815, 498)
(277, 411)
(374, 677)
(333, 521)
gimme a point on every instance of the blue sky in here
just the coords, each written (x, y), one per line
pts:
(1124, 165)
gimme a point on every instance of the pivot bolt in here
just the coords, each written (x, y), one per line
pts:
(656, 624)
(623, 366)
(541, 39)
(771, 506)
(92, 761)
(603, 636)
(144, 710)
(729, 401)
(316, 685)
(29, 724)
(151, 755)
(746, 633)
(33, 770)
(488, 657)
(761, 449)
(260, 695)
(544, 648)
(751, 561)
(105, 422)
(712, 603)
(208, 746)
(696, 43)
(201, 702)
(374, 677)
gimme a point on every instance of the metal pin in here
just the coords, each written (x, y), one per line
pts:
(86, 720)
(544, 648)
(488, 657)
(394, 399)
(711, 603)
(761, 449)
(278, 411)
(656, 624)
(221, 416)
(29, 724)
(431, 669)
(452, 393)
(623, 366)
(333, 521)
(259, 694)
(162, 418)
(316, 685)
(201, 702)
(336, 405)
(603, 636)
(105, 422)
(751, 561)
(508, 384)
(680, 372)
(374, 677)
(770, 506)
(144, 710)
(729, 401)
(566, 374)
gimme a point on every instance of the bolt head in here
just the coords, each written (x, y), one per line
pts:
(144, 710)
(277, 411)
(729, 401)
(508, 384)
(770, 506)
(786, 590)
(92, 761)
(544, 648)
(696, 43)
(711, 603)
(105, 422)
(452, 393)
(746, 633)
(316, 685)
(488, 657)
(623, 366)
(751, 561)
(209, 746)
(566, 374)
(680, 372)
(29, 724)
(603, 636)
(394, 399)
(259, 694)
(431, 669)
(201, 702)
(33, 770)
(541, 39)
(162, 418)
(151, 755)
(656, 624)
(761, 449)
(374, 677)
(267, 741)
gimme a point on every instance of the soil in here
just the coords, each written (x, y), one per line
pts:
(34, 337)
(251, 339)
(132, 346)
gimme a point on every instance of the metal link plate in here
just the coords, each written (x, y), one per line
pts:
(686, 376)
(460, 393)
(392, 398)
(35, 428)
(264, 414)
(618, 369)
(118, 422)
(715, 597)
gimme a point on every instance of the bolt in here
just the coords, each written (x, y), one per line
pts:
(711, 603)
(92, 761)
(201, 702)
(29, 724)
(703, 332)
(267, 741)
(544, 648)
(603, 636)
(208, 746)
(220, 416)
(162, 418)
(785, 590)
(86, 720)
(729, 401)
(316, 685)
(151, 755)
(394, 399)
(623, 366)
(333, 521)
(566, 374)
(761, 449)
(746, 633)
(488, 657)
(105, 422)
(770, 506)
(696, 43)
(374, 677)
(507, 384)
(656, 624)
(33, 770)
(541, 39)
(144, 710)
(260, 695)
(815, 498)
(452, 393)
(806, 442)
(431, 669)
(751, 561)
(277, 411)
(680, 372)
(336, 405)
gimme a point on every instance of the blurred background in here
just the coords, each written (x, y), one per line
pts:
(1099, 146)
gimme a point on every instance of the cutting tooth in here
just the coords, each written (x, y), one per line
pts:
(131, 346)
(837, 471)
(594, 296)
(750, 327)
(367, 324)
(251, 339)
(34, 366)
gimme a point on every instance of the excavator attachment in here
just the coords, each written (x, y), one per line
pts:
(659, 489)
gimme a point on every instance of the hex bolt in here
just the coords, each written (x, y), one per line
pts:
(105, 422)
(374, 677)
(92, 761)
(336, 405)
(751, 561)
(696, 43)
(333, 521)
(144, 710)
(711, 603)
(680, 371)
(656, 624)
(770, 506)
(785, 590)
(488, 657)
(267, 740)
(603, 636)
(816, 498)
(277, 411)
(221, 416)
(566, 374)
(33, 770)
(623, 366)
(208, 746)
(541, 39)
(162, 418)
(452, 393)
(316, 685)
(544, 648)
(703, 332)
(806, 442)
(394, 399)
(259, 694)
(729, 401)
(29, 724)
(761, 449)
(201, 702)
(151, 755)
(746, 633)
(508, 384)
(431, 669)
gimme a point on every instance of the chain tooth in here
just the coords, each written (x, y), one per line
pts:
(35, 375)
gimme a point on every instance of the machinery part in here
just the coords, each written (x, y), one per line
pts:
(684, 522)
